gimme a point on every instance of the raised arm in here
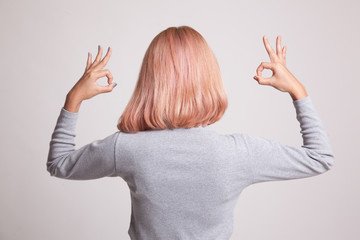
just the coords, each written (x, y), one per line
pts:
(96, 159)
(271, 160)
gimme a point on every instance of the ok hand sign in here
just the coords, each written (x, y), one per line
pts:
(87, 86)
(282, 79)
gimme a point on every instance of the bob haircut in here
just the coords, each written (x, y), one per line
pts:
(179, 85)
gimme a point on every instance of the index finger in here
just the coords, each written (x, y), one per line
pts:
(268, 48)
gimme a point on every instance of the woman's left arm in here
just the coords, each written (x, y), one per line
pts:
(93, 160)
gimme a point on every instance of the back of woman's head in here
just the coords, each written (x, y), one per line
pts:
(179, 84)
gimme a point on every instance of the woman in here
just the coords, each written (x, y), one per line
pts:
(184, 177)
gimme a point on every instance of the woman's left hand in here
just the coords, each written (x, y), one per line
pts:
(87, 86)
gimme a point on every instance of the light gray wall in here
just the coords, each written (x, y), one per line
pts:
(44, 47)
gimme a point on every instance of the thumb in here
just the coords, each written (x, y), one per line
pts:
(108, 88)
(263, 81)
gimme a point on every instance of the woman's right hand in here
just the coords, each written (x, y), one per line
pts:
(282, 79)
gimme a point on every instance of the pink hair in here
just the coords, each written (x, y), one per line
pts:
(179, 84)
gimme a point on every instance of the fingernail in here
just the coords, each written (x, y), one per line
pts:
(115, 84)
(98, 47)
(108, 48)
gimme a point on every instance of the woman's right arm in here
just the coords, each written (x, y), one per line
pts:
(270, 160)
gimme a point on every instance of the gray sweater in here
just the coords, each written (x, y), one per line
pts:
(185, 183)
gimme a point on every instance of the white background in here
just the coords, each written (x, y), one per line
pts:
(44, 47)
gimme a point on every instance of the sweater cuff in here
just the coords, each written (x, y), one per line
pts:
(303, 101)
(67, 121)
(304, 106)
(66, 114)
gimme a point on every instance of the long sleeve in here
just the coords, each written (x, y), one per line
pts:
(94, 160)
(270, 160)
